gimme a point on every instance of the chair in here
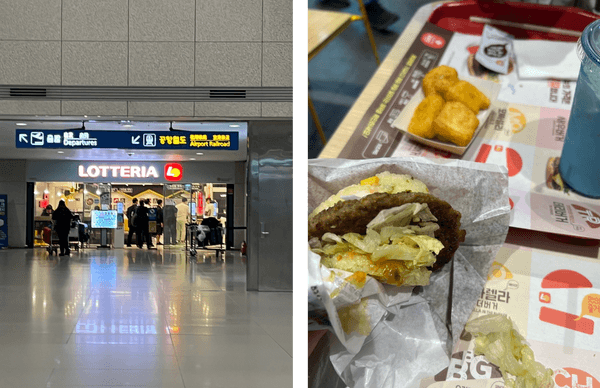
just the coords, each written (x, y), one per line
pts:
(323, 27)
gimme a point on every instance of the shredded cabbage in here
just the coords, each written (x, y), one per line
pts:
(391, 236)
(502, 345)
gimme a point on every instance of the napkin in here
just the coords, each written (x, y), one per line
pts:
(544, 59)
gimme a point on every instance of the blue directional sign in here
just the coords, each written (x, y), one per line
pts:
(78, 139)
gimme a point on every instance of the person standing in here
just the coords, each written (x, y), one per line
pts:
(62, 224)
(183, 213)
(209, 210)
(159, 221)
(143, 233)
(170, 222)
(131, 211)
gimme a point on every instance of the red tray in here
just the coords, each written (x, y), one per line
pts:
(456, 16)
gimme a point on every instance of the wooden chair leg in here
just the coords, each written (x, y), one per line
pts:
(365, 19)
(315, 118)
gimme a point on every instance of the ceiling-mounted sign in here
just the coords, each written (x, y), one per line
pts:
(163, 140)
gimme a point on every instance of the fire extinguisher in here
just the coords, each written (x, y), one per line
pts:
(244, 248)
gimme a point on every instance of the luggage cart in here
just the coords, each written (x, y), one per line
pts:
(204, 237)
(51, 238)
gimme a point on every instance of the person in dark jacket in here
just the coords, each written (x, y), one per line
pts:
(131, 210)
(62, 224)
(170, 222)
(159, 221)
(143, 233)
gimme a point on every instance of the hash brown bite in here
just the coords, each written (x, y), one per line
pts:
(439, 80)
(469, 95)
(422, 120)
(353, 216)
(456, 123)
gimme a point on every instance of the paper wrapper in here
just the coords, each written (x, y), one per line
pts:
(553, 300)
(395, 337)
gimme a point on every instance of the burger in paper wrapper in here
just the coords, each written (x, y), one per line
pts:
(388, 227)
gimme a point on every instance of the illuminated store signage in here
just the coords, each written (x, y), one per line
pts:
(78, 139)
(173, 172)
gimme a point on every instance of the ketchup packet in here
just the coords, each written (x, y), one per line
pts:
(495, 50)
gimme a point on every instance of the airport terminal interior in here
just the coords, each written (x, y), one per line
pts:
(192, 311)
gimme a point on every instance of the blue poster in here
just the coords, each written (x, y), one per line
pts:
(3, 221)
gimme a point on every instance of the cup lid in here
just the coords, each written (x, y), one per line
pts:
(589, 43)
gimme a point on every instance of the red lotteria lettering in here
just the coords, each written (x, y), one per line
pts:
(565, 278)
(514, 163)
(472, 49)
(591, 218)
(432, 40)
(574, 378)
(483, 154)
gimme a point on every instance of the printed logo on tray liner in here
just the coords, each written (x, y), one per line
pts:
(465, 365)
(516, 120)
(568, 279)
(574, 378)
(591, 218)
(499, 271)
(432, 40)
(502, 156)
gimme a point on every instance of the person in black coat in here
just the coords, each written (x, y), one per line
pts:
(62, 224)
(142, 221)
(131, 210)
(159, 221)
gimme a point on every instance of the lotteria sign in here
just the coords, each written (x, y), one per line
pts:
(171, 172)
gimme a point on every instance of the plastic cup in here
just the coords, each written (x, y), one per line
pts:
(580, 160)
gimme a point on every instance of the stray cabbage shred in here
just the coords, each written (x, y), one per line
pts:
(502, 345)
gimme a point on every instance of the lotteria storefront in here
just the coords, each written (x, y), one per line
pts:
(245, 169)
(208, 189)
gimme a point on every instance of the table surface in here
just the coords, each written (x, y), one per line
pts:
(324, 24)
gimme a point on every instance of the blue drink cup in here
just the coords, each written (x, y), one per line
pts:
(580, 160)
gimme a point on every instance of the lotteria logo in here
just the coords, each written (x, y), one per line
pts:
(117, 171)
(173, 172)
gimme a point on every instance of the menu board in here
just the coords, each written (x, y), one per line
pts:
(104, 219)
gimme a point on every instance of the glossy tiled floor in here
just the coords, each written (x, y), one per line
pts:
(139, 318)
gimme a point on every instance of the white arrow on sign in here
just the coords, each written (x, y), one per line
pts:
(135, 139)
(23, 138)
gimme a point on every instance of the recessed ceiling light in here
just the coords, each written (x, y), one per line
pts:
(21, 124)
(199, 153)
(128, 125)
(192, 158)
(234, 125)
(61, 152)
(98, 192)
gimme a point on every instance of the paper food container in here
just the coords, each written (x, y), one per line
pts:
(489, 88)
